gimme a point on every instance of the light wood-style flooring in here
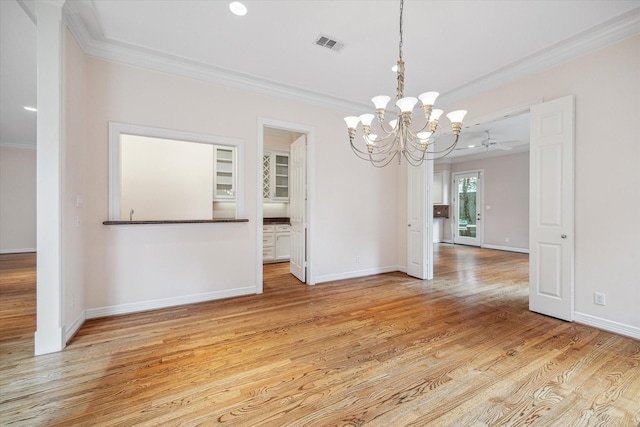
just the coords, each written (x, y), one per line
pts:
(384, 350)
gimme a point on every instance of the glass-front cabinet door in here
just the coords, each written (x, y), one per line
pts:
(223, 179)
(282, 177)
(275, 176)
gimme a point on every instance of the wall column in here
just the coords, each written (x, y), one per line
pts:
(49, 336)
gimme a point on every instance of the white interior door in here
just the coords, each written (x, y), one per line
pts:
(419, 240)
(467, 208)
(297, 207)
(551, 208)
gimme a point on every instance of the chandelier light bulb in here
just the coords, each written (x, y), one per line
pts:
(406, 104)
(456, 116)
(380, 101)
(352, 121)
(435, 114)
(366, 119)
(428, 98)
(393, 123)
(423, 136)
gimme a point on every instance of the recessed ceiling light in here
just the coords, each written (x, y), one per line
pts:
(471, 146)
(238, 8)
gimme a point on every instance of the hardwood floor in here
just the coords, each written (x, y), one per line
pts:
(385, 350)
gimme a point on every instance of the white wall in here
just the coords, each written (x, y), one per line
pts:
(137, 267)
(17, 199)
(506, 190)
(606, 85)
(165, 179)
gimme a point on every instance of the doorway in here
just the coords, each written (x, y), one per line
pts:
(285, 198)
(467, 208)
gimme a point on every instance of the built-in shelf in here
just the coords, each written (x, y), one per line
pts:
(177, 221)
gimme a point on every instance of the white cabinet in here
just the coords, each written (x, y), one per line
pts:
(223, 174)
(275, 176)
(276, 242)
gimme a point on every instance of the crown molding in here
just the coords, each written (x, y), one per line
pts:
(93, 42)
(99, 47)
(21, 145)
(609, 32)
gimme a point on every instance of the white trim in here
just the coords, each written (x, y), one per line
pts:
(506, 248)
(607, 325)
(116, 129)
(359, 273)
(114, 310)
(75, 326)
(18, 251)
(22, 145)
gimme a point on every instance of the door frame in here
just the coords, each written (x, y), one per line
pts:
(309, 131)
(479, 205)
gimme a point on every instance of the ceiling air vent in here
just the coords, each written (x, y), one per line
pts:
(329, 42)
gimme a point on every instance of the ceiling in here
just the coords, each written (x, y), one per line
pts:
(458, 48)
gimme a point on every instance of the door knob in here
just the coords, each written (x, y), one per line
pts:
(408, 225)
(564, 236)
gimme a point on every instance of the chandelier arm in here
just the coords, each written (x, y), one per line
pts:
(413, 161)
(442, 153)
(448, 149)
(416, 132)
(377, 150)
(371, 158)
(384, 129)
(383, 162)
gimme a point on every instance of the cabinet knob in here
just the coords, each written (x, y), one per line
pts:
(564, 236)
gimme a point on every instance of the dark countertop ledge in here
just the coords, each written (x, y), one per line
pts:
(280, 220)
(176, 221)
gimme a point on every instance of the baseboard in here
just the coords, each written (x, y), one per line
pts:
(115, 310)
(17, 251)
(607, 325)
(357, 273)
(506, 248)
(447, 241)
(75, 326)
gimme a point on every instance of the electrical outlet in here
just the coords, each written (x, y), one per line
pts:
(598, 298)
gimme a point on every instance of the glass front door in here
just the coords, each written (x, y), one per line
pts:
(467, 208)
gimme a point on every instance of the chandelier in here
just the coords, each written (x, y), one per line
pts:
(396, 138)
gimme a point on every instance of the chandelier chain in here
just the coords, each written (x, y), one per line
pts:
(401, 10)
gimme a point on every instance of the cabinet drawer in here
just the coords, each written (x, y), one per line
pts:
(268, 228)
(268, 254)
(268, 240)
(282, 228)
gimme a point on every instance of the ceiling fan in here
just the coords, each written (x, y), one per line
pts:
(490, 144)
